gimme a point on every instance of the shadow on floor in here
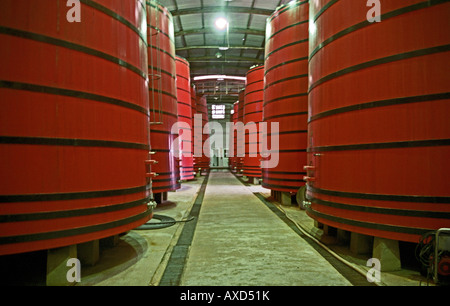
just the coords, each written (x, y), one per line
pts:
(27, 269)
(114, 260)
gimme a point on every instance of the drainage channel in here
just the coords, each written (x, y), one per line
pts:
(175, 266)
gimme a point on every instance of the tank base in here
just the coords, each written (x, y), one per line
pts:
(388, 252)
(109, 242)
(284, 198)
(300, 197)
(57, 268)
(89, 252)
(360, 244)
(385, 250)
(160, 197)
(252, 180)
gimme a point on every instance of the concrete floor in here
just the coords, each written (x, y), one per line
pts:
(238, 241)
(141, 255)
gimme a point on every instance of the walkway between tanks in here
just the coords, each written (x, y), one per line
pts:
(238, 241)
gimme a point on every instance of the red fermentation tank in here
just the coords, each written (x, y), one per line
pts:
(163, 97)
(186, 150)
(232, 138)
(196, 141)
(286, 94)
(253, 115)
(74, 137)
(201, 135)
(240, 136)
(379, 135)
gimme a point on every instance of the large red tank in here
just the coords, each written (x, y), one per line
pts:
(163, 96)
(253, 115)
(240, 136)
(232, 138)
(185, 116)
(379, 135)
(196, 141)
(286, 93)
(74, 136)
(201, 163)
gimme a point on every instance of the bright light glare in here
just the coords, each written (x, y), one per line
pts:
(225, 77)
(221, 23)
(312, 28)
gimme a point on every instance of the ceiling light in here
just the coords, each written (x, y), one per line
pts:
(223, 48)
(225, 77)
(221, 23)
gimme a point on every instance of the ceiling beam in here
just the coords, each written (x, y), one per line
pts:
(217, 47)
(217, 92)
(221, 9)
(221, 100)
(213, 31)
(242, 74)
(218, 67)
(224, 59)
(220, 90)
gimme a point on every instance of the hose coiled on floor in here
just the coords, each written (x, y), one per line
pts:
(166, 221)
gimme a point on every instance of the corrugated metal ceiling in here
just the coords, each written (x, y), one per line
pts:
(197, 39)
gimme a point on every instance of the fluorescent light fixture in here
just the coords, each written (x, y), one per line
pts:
(225, 77)
(223, 48)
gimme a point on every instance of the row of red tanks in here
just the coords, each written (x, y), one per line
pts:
(362, 110)
(86, 139)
